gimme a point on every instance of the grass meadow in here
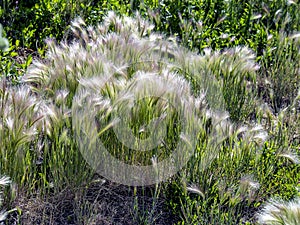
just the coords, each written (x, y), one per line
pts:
(215, 81)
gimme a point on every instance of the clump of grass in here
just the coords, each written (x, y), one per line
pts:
(277, 211)
(235, 71)
(122, 60)
(121, 67)
(115, 53)
(4, 180)
(279, 75)
(22, 118)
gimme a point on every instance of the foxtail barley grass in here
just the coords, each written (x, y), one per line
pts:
(277, 212)
(4, 181)
(22, 119)
(280, 71)
(111, 59)
(109, 69)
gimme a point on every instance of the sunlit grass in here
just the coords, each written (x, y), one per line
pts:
(277, 211)
(134, 81)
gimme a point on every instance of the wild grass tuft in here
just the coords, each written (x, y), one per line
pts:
(277, 211)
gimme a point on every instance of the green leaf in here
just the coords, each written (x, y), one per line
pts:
(13, 54)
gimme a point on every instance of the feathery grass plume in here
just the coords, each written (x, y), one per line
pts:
(248, 187)
(4, 180)
(143, 104)
(238, 69)
(256, 134)
(196, 190)
(290, 155)
(160, 93)
(91, 54)
(277, 212)
(280, 67)
(234, 75)
(21, 121)
(104, 53)
(238, 193)
(223, 131)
